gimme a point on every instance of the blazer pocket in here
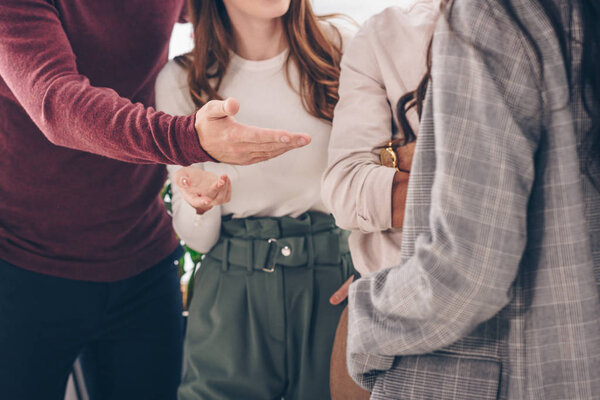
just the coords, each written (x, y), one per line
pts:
(441, 377)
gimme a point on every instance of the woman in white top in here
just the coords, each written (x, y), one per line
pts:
(380, 71)
(260, 325)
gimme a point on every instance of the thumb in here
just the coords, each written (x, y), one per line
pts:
(217, 109)
(231, 106)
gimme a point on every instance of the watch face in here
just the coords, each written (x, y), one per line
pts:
(388, 157)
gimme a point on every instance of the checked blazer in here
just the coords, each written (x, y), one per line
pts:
(496, 294)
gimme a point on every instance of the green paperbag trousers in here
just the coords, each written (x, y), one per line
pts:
(260, 323)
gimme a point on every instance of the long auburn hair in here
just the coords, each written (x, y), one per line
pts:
(316, 56)
(588, 77)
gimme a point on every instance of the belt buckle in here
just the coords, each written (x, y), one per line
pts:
(272, 267)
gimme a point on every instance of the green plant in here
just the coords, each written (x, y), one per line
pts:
(190, 261)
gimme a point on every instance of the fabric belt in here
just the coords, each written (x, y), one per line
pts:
(261, 243)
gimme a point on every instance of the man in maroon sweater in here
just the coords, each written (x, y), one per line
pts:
(86, 247)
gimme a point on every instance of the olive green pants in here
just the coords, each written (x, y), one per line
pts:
(260, 325)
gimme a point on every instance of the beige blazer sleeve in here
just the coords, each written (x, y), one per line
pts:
(355, 187)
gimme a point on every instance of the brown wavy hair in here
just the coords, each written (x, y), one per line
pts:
(316, 56)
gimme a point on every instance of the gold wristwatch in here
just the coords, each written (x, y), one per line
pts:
(389, 158)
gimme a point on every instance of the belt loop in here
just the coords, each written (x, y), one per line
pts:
(310, 245)
(225, 256)
(310, 251)
(250, 255)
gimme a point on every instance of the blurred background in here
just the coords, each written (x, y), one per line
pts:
(359, 10)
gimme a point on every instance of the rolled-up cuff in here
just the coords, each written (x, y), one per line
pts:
(365, 368)
(188, 142)
(374, 202)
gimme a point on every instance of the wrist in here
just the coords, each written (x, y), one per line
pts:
(399, 191)
(202, 210)
(198, 130)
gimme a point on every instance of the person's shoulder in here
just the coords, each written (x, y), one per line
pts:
(339, 30)
(415, 19)
(491, 25)
(397, 37)
(473, 16)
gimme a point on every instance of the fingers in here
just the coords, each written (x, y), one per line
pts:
(223, 193)
(219, 193)
(259, 157)
(228, 196)
(192, 181)
(231, 142)
(181, 178)
(213, 190)
(184, 182)
(202, 189)
(217, 109)
(342, 293)
(252, 135)
(199, 203)
(260, 144)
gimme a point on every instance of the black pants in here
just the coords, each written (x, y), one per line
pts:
(133, 328)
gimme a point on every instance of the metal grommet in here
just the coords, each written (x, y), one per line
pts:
(286, 251)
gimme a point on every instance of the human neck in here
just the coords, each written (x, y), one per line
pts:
(257, 39)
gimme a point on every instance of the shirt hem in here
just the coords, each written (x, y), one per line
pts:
(93, 271)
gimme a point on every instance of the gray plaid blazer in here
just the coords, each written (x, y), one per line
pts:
(496, 295)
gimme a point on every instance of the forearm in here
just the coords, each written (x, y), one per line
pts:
(399, 191)
(356, 187)
(359, 194)
(39, 67)
(79, 116)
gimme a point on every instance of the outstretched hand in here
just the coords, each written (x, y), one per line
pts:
(203, 189)
(226, 140)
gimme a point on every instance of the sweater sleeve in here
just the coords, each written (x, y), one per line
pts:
(356, 187)
(39, 67)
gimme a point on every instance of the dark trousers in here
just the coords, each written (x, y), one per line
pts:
(260, 325)
(133, 328)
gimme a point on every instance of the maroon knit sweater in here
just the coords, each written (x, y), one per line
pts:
(79, 182)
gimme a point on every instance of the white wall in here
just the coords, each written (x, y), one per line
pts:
(360, 10)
